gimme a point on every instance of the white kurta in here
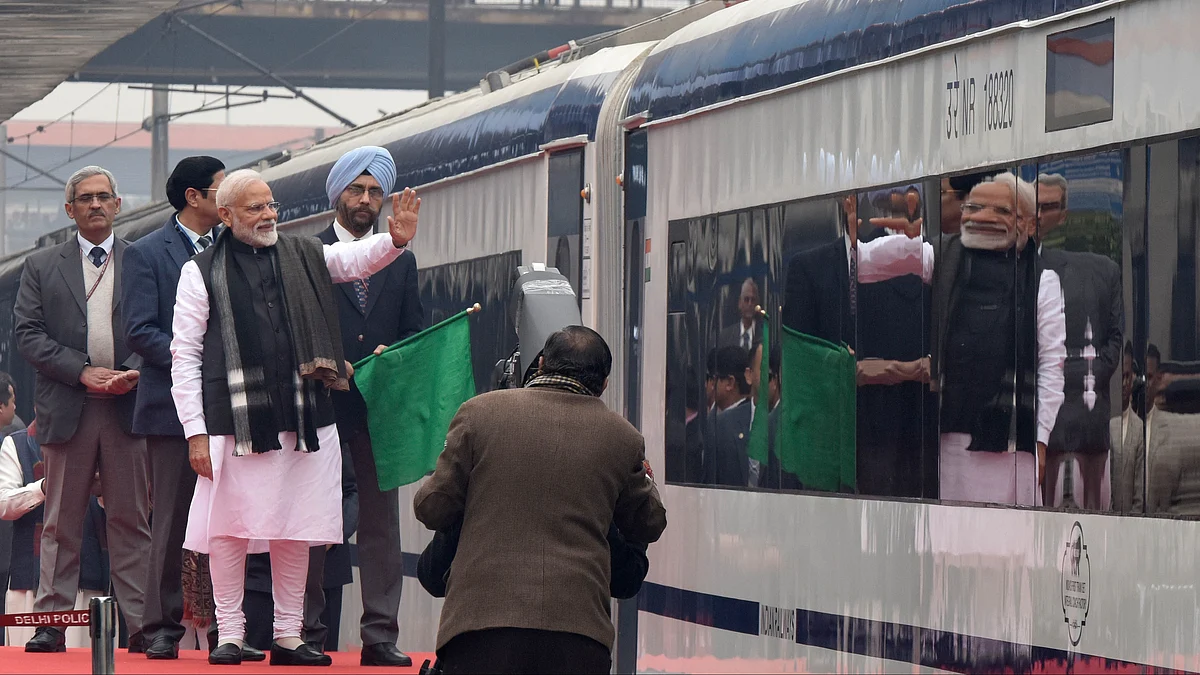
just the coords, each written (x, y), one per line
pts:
(281, 494)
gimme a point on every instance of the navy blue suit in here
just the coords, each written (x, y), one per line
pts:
(393, 312)
(148, 284)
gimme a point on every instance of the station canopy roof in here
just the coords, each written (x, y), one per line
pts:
(46, 41)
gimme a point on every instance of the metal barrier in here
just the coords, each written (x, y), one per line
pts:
(103, 629)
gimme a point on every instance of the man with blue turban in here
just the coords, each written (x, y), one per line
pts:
(374, 312)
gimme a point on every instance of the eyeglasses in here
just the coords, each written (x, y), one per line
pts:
(86, 200)
(255, 209)
(356, 190)
(971, 208)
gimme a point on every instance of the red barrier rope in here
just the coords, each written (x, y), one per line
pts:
(73, 617)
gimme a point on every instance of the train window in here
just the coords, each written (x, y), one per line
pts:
(985, 312)
(1079, 76)
(1172, 369)
(1079, 216)
(565, 216)
(718, 276)
(895, 411)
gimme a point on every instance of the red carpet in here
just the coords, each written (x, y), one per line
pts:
(15, 660)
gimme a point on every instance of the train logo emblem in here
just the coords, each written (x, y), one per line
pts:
(1076, 584)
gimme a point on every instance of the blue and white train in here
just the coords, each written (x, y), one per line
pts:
(659, 165)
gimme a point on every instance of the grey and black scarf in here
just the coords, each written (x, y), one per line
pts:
(560, 382)
(307, 293)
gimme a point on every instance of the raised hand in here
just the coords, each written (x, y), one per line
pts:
(402, 224)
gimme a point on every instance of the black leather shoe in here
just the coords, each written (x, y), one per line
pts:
(137, 643)
(47, 640)
(304, 655)
(384, 654)
(162, 648)
(228, 654)
(251, 654)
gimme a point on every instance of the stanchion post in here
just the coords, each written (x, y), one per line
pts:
(103, 629)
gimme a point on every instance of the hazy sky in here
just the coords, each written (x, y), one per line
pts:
(118, 102)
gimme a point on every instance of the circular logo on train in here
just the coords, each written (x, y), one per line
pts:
(1076, 584)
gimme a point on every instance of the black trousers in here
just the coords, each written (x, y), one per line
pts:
(523, 650)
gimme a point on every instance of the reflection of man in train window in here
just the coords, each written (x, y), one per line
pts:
(773, 476)
(892, 368)
(1000, 338)
(1128, 446)
(745, 333)
(820, 282)
(684, 461)
(726, 461)
(1091, 286)
(1174, 448)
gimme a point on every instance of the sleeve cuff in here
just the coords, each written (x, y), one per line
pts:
(195, 428)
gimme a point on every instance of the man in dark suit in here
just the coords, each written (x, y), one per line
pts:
(747, 332)
(726, 461)
(152, 266)
(374, 313)
(536, 476)
(69, 327)
(1091, 287)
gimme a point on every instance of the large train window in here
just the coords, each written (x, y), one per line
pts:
(1080, 202)
(1079, 76)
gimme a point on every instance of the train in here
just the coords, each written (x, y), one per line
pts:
(671, 168)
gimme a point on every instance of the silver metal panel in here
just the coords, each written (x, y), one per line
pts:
(46, 41)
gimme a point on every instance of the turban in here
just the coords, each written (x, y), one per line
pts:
(370, 158)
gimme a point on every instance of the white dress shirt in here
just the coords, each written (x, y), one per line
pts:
(16, 498)
(85, 246)
(346, 235)
(346, 262)
(193, 238)
(896, 255)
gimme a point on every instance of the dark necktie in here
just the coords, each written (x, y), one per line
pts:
(360, 290)
(97, 256)
(203, 243)
(853, 282)
(746, 341)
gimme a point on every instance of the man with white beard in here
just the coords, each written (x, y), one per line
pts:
(256, 351)
(1000, 346)
(999, 331)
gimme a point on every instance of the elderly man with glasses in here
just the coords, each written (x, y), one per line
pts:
(69, 327)
(256, 351)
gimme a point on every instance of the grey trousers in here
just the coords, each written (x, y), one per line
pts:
(380, 562)
(173, 481)
(99, 444)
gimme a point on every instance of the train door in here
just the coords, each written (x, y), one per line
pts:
(625, 649)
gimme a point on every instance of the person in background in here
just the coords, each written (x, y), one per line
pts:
(373, 313)
(68, 325)
(22, 484)
(152, 266)
(1128, 436)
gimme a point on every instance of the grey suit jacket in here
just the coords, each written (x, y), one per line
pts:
(51, 332)
(1174, 472)
(1128, 464)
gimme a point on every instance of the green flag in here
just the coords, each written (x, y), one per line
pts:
(412, 391)
(759, 431)
(817, 436)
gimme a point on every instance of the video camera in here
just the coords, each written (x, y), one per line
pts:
(542, 302)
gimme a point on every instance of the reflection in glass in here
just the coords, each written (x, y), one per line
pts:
(1172, 372)
(1079, 212)
(999, 347)
(893, 404)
